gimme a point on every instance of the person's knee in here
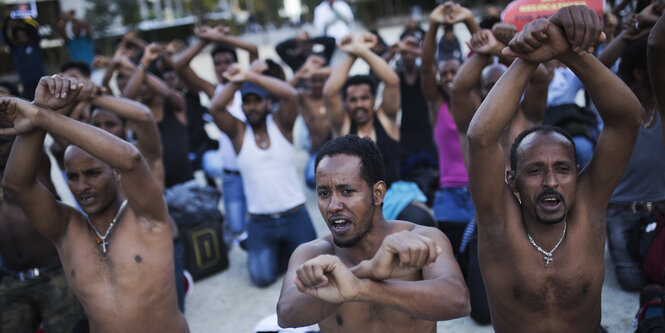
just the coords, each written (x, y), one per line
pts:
(630, 278)
(263, 270)
(262, 279)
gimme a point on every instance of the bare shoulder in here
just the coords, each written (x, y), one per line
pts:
(317, 247)
(431, 232)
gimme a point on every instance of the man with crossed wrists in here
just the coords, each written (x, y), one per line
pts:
(541, 224)
(370, 274)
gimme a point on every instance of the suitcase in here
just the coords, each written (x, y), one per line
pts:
(205, 250)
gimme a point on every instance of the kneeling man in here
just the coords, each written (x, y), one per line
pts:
(117, 254)
(369, 274)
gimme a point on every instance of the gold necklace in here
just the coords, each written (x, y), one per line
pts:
(102, 239)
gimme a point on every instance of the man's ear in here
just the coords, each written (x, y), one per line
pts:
(379, 191)
(511, 180)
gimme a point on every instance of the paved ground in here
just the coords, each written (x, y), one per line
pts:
(227, 302)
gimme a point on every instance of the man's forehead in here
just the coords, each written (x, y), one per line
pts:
(339, 164)
(74, 154)
(358, 88)
(450, 64)
(538, 142)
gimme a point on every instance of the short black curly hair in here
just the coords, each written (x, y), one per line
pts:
(359, 79)
(371, 161)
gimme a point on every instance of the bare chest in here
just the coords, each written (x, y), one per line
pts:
(137, 266)
(362, 317)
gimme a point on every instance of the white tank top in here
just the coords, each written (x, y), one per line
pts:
(226, 150)
(269, 176)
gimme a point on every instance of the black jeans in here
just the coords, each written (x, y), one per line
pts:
(624, 231)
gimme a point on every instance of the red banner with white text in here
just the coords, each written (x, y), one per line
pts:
(521, 12)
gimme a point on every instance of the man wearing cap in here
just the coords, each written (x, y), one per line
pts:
(278, 220)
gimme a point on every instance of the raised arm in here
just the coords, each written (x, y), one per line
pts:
(143, 122)
(282, 90)
(620, 111)
(486, 158)
(221, 34)
(48, 216)
(451, 13)
(391, 102)
(138, 184)
(429, 67)
(176, 98)
(656, 65)
(285, 50)
(226, 122)
(328, 44)
(534, 103)
(464, 97)
(193, 81)
(616, 104)
(332, 92)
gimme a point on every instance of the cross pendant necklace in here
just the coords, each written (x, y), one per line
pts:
(101, 240)
(548, 254)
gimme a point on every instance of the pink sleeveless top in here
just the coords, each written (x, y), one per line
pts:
(451, 162)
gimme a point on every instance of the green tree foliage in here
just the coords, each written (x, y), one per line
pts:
(129, 11)
(101, 13)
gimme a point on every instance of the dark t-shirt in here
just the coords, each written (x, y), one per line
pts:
(175, 147)
(389, 149)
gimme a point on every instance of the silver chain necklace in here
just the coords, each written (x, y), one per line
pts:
(548, 255)
(102, 239)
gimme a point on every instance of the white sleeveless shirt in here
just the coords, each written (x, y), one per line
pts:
(269, 176)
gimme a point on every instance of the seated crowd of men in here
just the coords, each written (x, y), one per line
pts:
(461, 187)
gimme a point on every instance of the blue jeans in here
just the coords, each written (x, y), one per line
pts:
(453, 210)
(272, 240)
(179, 265)
(212, 163)
(453, 204)
(235, 204)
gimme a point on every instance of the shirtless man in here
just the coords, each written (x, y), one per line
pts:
(34, 289)
(123, 275)
(369, 274)
(312, 109)
(310, 100)
(541, 229)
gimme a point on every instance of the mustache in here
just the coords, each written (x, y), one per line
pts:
(360, 109)
(550, 193)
